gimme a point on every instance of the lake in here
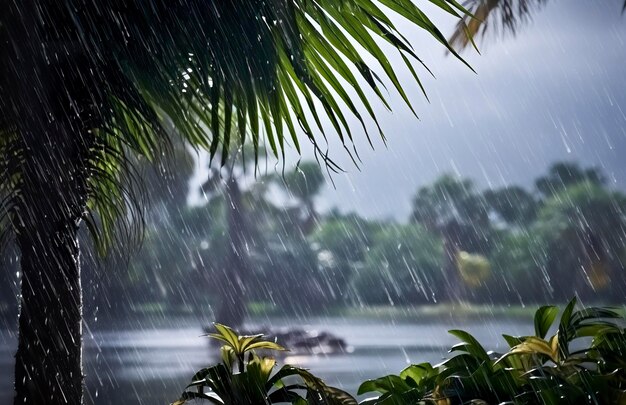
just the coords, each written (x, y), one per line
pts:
(150, 363)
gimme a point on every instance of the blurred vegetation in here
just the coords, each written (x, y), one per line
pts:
(508, 246)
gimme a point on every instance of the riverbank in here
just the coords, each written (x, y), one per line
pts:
(258, 312)
(421, 313)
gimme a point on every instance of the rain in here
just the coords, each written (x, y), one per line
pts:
(411, 201)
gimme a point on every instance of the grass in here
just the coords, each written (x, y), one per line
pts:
(421, 312)
(439, 311)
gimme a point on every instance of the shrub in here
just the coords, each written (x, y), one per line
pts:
(582, 363)
(244, 378)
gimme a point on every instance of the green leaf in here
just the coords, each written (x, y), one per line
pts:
(390, 383)
(513, 340)
(544, 317)
(227, 335)
(534, 346)
(266, 345)
(471, 345)
(418, 372)
(566, 332)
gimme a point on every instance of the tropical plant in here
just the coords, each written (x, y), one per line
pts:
(581, 363)
(244, 378)
(86, 85)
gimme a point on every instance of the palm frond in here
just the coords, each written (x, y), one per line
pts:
(497, 16)
(265, 70)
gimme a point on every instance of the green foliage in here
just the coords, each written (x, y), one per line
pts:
(473, 268)
(346, 237)
(257, 381)
(581, 363)
(582, 229)
(402, 267)
(562, 175)
(514, 205)
(574, 244)
(305, 182)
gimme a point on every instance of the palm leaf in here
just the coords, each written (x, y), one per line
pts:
(196, 64)
(498, 16)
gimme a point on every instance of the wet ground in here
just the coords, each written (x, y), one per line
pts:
(152, 364)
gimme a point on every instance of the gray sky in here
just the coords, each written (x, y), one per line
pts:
(557, 91)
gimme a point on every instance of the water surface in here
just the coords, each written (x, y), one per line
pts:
(151, 364)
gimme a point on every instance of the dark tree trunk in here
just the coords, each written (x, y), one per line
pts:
(52, 107)
(311, 219)
(236, 271)
(48, 363)
(48, 367)
(451, 248)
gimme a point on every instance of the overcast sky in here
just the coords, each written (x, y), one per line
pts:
(556, 91)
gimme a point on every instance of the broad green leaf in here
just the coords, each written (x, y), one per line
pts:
(544, 317)
(472, 345)
(566, 331)
(390, 383)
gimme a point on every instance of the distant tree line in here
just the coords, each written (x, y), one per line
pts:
(511, 245)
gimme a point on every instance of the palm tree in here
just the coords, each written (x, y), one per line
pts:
(223, 186)
(85, 85)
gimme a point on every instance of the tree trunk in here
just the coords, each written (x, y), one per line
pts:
(451, 248)
(54, 87)
(236, 272)
(53, 197)
(48, 366)
(48, 363)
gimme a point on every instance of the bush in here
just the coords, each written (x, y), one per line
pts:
(584, 362)
(254, 381)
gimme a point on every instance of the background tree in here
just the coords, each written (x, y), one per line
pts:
(452, 208)
(403, 267)
(583, 228)
(562, 175)
(342, 242)
(304, 184)
(513, 205)
(234, 272)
